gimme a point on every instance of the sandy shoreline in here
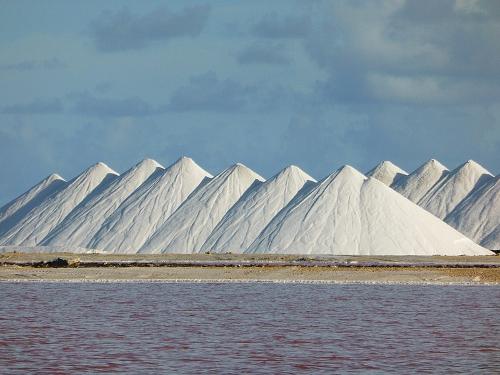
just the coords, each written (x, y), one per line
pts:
(251, 281)
(242, 268)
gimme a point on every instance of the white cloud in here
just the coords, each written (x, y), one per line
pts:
(467, 6)
(407, 51)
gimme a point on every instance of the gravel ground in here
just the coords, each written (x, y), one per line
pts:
(383, 269)
(340, 274)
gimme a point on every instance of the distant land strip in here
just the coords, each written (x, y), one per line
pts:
(69, 263)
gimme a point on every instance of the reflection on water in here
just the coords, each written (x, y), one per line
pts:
(57, 328)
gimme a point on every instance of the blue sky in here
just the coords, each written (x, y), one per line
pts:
(313, 83)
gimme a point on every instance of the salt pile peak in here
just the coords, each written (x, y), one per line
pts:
(420, 181)
(140, 215)
(447, 193)
(478, 215)
(387, 172)
(255, 209)
(45, 217)
(78, 228)
(13, 212)
(350, 214)
(187, 229)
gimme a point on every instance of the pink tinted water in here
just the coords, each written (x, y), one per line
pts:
(150, 328)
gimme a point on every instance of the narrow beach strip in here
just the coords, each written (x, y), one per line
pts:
(249, 281)
(62, 262)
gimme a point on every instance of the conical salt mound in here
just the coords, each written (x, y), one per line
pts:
(491, 241)
(79, 227)
(387, 172)
(446, 194)
(478, 215)
(140, 215)
(13, 212)
(349, 214)
(255, 209)
(420, 181)
(187, 229)
(33, 228)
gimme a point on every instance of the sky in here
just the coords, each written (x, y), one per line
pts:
(318, 84)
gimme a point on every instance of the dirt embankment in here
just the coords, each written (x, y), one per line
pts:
(233, 267)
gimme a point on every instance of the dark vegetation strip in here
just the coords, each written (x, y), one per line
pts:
(65, 263)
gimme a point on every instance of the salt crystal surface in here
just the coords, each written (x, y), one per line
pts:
(349, 214)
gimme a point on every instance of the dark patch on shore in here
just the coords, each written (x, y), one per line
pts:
(301, 262)
(54, 263)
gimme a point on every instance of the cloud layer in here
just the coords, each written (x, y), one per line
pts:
(25, 65)
(37, 106)
(410, 52)
(123, 30)
(90, 105)
(272, 54)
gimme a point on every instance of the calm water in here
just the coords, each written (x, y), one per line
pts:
(58, 328)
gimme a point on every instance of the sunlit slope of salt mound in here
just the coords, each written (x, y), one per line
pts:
(16, 210)
(187, 229)
(387, 172)
(349, 214)
(447, 193)
(255, 209)
(478, 215)
(79, 227)
(46, 249)
(33, 228)
(141, 214)
(419, 182)
(45, 187)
